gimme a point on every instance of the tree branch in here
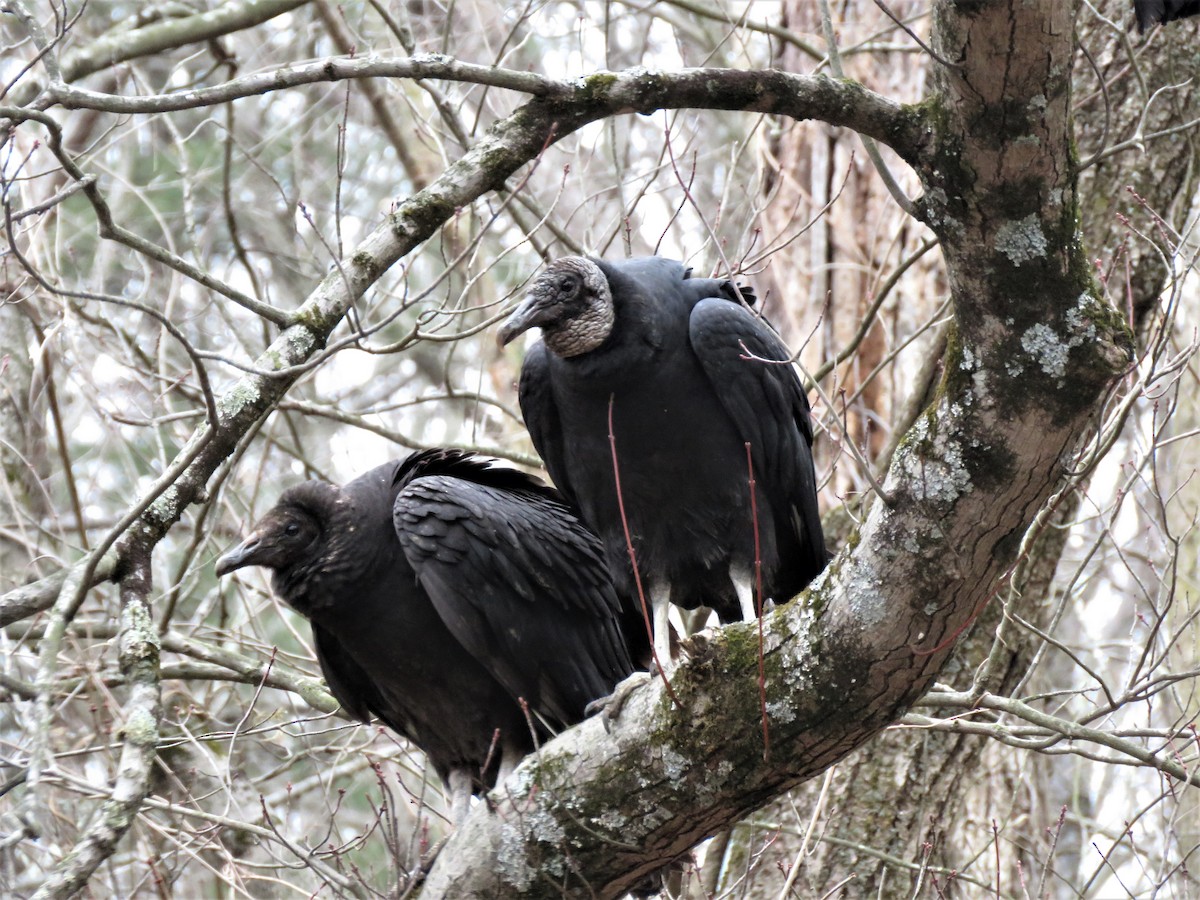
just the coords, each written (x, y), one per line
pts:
(122, 43)
(139, 658)
(604, 94)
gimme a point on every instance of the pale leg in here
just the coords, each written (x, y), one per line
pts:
(460, 783)
(743, 585)
(660, 600)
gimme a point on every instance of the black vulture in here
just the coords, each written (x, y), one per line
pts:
(1151, 12)
(440, 590)
(691, 376)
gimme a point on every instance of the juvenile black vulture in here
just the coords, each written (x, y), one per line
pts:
(692, 377)
(1151, 12)
(440, 589)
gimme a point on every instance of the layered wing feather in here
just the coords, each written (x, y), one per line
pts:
(521, 584)
(747, 365)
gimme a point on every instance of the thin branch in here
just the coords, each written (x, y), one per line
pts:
(35, 597)
(122, 43)
(579, 101)
(1066, 729)
(885, 174)
(111, 230)
(428, 65)
(138, 656)
(872, 312)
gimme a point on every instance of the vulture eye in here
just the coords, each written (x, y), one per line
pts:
(292, 529)
(566, 284)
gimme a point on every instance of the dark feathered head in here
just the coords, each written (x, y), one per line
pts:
(571, 302)
(296, 539)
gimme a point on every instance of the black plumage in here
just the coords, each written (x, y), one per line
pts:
(1152, 12)
(692, 376)
(440, 590)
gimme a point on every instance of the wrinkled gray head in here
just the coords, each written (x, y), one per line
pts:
(571, 302)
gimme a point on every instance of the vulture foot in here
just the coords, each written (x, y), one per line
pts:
(610, 707)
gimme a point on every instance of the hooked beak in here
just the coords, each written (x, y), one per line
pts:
(531, 313)
(240, 556)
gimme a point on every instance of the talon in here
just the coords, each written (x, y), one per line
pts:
(611, 706)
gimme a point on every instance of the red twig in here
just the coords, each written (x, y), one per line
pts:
(762, 667)
(495, 744)
(637, 576)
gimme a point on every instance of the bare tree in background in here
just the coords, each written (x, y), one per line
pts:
(264, 240)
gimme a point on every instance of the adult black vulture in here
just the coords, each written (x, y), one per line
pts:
(1151, 12)
(440, 590)
(690, 377)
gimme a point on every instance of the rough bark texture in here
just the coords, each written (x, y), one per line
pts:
(1033, 350)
